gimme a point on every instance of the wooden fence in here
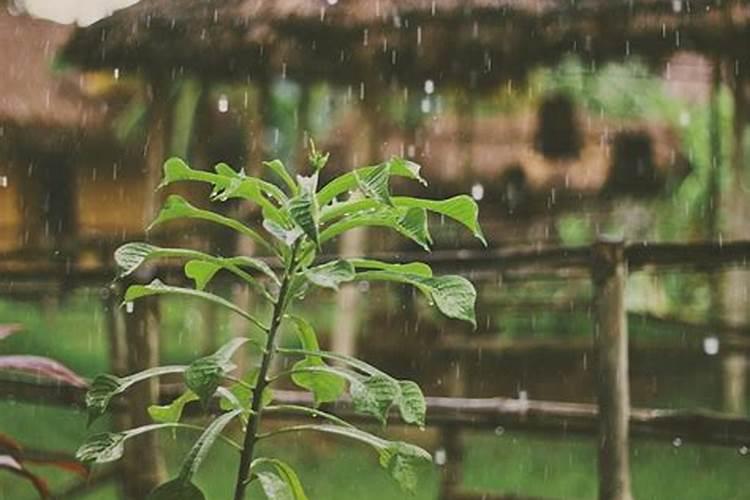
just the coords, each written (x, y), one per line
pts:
(612, 420)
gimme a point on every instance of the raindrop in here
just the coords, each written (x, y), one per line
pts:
(129, 307)
(685, 118)
(4, 181)
(116, 73)
(677, 442)
(477, 191)
(711, 345)
(744, 450)
(441, 456)
(429, 87)
(419, 35)
(332, 2)
(363, 286)
(499, 430)
(223, 104)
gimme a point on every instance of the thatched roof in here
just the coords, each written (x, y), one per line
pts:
(32, 93)
(475, 43)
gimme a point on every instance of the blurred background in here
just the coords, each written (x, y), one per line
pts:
(564, 120)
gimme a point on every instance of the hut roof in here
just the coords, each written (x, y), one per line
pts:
(32, 94)
(472, 43)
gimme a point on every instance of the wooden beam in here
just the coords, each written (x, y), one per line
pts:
(552, 417)
(609, 274)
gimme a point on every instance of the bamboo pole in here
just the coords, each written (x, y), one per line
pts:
(609, 272)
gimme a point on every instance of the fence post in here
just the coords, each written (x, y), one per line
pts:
(609, 274)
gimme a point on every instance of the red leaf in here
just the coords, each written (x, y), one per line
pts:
(9, 463)
(8, 330)
(71, 465)
(8, 445)
(43, 367)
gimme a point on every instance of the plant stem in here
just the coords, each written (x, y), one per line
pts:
(251, 434)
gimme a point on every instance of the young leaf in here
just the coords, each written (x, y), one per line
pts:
(176, 489)
(317, 159)
(173, 411)
(104, 387)
(303, 208)
(374, 395)
(331, 274)
(286, 474)
(411, 403)
(463, 209)
(325, 386)
(157, 287)
(278, 168)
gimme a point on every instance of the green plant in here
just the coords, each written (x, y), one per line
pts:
(299, 221)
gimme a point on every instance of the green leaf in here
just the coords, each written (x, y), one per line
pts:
(173, 411)
(225, 178)
(374, 182)
(274, 487)
(411, 403)
(102, 448)
(157, 287)
(204, 375)
(400, 459)
(286, 474)
(348, 181)
(201, 272)
(331, 274)
(203, 444)
(104, 387)
(374, 395)
(463, 209)
(243, 392)
(303, 208)
(177, 207)
(317, 159)
(325, 386)
(454, 296)
(278, 168)
(411, 223)
(176, 489)
(417, 268)
(132, 255)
